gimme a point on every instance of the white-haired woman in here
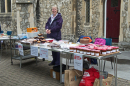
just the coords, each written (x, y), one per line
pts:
(53, 30)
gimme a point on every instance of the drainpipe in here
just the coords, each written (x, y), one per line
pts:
(105, 14)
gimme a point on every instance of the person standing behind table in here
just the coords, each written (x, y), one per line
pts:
(53, 30)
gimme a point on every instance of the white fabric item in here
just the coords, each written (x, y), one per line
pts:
(52, 18)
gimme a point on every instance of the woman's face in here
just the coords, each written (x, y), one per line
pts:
(54, 10)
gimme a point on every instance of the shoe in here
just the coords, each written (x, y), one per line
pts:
(51, 64)
(43, 59)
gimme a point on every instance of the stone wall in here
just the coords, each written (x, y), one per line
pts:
(14, 17)
(124, 25)
(97, 19)
(36, 13)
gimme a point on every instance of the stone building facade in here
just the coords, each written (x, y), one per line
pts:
(35, 13)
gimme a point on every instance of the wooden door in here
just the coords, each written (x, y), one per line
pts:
(113, 20)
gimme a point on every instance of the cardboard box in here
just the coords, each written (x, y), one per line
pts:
(56, 75)
(32, 29)
(84, 69)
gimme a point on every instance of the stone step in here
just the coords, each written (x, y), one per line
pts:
(124, 45)
(114, 44)
(121, 49)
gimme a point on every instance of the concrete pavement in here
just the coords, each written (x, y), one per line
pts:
(32, 75)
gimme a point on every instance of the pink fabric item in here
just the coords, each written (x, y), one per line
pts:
(100, 41)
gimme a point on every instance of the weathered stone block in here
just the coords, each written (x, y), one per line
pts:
(126, 6)
(124, 13)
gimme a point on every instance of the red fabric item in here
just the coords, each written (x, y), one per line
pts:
(89, 81)
(82, 82)
(96, 74)
(92, 69)
(89, 77)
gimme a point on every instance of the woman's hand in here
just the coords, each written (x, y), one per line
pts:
(48, 31)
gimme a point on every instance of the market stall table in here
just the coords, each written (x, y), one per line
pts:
(100, 58)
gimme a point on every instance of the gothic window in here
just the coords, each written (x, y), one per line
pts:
(8, 5)
(5, 6)
(114, 3)
(87, 10)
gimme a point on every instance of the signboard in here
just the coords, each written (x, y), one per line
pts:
(78, 61)
(34, 51)
(20, 47)
(44, 53)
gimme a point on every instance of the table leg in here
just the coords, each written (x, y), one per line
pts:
(36, 60)
(60, 69)
(82, 65)
(20, 61)
(1, 49)
(6, 46)
(68, 61)
(66, 56)
(11, 52)
(114, 65)
(14, 47)
(100, 70)
(116, 73)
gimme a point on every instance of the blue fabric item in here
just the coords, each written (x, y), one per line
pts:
(93, 61)
(16, 46)
(2, 32)
(9, 32)
(25, 37)
(55, 27)
(84, 36)
(108, 41)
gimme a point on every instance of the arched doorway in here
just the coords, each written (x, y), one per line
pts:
(113, 20)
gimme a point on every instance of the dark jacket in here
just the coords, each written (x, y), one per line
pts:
(55, 27)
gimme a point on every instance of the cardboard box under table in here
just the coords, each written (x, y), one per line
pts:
(56, 75)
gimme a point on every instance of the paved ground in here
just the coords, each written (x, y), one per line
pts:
(32, 75)
(28, 75)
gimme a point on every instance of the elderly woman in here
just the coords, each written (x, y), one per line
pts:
(53, 30)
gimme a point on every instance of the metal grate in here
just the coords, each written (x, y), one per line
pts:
(114, 3)
(87, 10)
(2, 6)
